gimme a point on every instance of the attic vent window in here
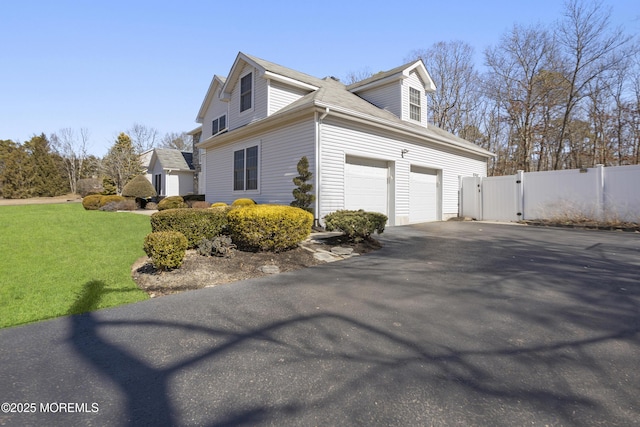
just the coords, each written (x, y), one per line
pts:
(219, 125)
(246, 88)
(414, 104)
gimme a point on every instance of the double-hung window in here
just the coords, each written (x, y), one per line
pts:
(246, 89)
(414, 104)
(245, 169)
(219, 125)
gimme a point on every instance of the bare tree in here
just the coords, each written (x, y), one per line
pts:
(72, 148)
(143, 137)
(180, 141)
(357, 76)
(457, 96)
(589, 48)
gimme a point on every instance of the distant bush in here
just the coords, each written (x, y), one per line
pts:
(86, 186)
(166, 249)
(91, 202)
(356, 225)
(194, 224)
(124, 205)
(105, 200)
(242, 202)
(151, 206)
(139, 187)
(172, 202)
(200, 205)
(219, 205)
(269, 227)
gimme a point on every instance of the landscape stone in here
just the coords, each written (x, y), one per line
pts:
(270, 269)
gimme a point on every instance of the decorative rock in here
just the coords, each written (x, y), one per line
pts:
(339, 250)
(326, 256)
(270, 269)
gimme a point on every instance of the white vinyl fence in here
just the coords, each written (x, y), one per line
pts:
(605, 194)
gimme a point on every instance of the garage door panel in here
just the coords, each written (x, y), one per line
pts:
(423, 195)
(366, 185)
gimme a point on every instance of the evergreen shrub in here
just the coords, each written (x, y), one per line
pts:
(356, 225)
(91, 202)
(105, 200)
(272, 228)
(172, 202)
(139, 187)
(194, 224)
(166, 249)
(242, 202)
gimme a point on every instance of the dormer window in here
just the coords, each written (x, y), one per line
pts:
(219, 124)
(415, 104)
(246, 88)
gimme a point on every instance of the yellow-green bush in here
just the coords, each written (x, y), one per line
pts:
(219, 205)
(194, 224)
(356, 225)
(91, 202)
(242, 202)
(105, 200)
(166, 249)
(172, 202)
(269, 227)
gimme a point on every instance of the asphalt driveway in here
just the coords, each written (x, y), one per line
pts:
(449, 324)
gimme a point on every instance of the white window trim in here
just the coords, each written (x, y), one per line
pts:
(226, 124)
(419, 120)
(253, 92)
(244, 147)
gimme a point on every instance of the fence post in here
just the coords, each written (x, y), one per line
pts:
(520, 195)
(600, 208)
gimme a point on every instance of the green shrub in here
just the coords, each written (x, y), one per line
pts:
(356, 225)
(105, 200)
(194, 224)
(269, 227)
(242, 202)
(91, 202)
(166, 249)
(172, 202)
(139, 187)
(124, 205)
(219, 205)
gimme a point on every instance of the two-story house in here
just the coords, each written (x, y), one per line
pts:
(368, 144)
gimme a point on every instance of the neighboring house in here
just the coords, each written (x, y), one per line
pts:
(368, 144)
(171, 171)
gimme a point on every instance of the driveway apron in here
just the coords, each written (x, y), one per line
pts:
(454, 323)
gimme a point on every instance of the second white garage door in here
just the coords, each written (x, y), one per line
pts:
(366, 185)
(423, 194)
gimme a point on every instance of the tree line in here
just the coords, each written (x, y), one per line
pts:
(61, 164)
(552, 97)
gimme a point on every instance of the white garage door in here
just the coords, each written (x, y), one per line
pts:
(423, 194)
(366, 185)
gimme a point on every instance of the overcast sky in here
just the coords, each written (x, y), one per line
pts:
(104, 65)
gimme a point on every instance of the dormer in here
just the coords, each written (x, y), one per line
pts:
(401, 91)
(214, 112)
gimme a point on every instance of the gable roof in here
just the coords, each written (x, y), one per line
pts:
(330, 95)
(216, 82)
(173, 159)
(397, 73)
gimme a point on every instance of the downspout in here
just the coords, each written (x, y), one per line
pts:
(316, 208)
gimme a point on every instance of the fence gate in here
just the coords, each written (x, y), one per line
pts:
(471, 197)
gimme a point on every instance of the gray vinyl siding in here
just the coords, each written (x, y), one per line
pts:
(280, 150)
(281, 95)
(415, 82)
(259, 103)
(216, 109)
(338, 140)
(387, 97)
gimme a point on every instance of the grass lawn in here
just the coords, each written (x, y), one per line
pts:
(59, 259)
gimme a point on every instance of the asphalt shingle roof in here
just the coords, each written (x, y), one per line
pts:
(171, 158)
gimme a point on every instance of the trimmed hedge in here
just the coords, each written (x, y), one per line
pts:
(219, 205)
(172, 202)
(356, 225)
(269, 227)
(242, 202)
(194, 224)
(91, 202)
(166, 249)
(105, 200)
(139, 187)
